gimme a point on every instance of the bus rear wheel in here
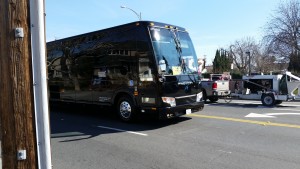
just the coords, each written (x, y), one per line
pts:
(126, 109)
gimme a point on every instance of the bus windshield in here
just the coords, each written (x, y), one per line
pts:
(174, 51)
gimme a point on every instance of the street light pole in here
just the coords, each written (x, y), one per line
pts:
(248, 53)
(138, 15)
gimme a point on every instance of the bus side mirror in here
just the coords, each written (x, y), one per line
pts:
(162, 65)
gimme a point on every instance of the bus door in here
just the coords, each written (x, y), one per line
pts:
(147, 84)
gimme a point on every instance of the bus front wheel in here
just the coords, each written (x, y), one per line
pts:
(126, 109)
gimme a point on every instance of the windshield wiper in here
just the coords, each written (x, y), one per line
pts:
(183, 65)
(179, 50)
(177, 43)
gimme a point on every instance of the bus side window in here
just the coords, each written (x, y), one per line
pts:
(145, 70)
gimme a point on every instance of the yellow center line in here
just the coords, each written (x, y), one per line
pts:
(264, 123)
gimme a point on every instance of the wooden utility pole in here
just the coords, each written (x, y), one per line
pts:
(17, 121)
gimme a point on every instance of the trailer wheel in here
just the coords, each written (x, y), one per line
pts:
(126, 109)
(268, 100)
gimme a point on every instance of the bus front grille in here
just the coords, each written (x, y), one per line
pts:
(185, 100)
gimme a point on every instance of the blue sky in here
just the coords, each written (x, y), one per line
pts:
(212, 24)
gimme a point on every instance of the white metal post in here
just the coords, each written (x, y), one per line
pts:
(38, 41)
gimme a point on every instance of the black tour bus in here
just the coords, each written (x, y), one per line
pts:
(140, 67)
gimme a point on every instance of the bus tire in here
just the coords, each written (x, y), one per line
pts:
(268, 99)
(126, 109)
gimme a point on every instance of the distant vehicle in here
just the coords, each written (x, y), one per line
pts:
(270, 89)
(140, 67)
(215, 87)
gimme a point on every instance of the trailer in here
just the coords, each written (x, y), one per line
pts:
(270, 89)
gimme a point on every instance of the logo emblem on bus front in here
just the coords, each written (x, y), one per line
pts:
(187, 89)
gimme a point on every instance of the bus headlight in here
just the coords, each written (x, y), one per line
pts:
(169, 100)
(199, 97)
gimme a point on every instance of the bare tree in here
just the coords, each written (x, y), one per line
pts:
(282, 31)
(243, 53)
(264, 61)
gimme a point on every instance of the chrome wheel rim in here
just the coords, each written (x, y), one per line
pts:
(125, 109)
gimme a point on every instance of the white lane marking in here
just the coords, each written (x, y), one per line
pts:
(131, 132)
(280, 114)
(226, 152)
(291, 104)
(270, 115)
(248, 102)
(259, 115)
(286, 109)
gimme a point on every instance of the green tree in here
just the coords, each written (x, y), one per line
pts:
(221, 61)
(216, 62)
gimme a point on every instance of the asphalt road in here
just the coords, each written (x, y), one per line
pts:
(241, 134)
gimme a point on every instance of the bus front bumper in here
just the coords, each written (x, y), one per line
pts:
(170, 112)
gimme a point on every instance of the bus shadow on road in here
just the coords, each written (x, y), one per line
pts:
(79, 122)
